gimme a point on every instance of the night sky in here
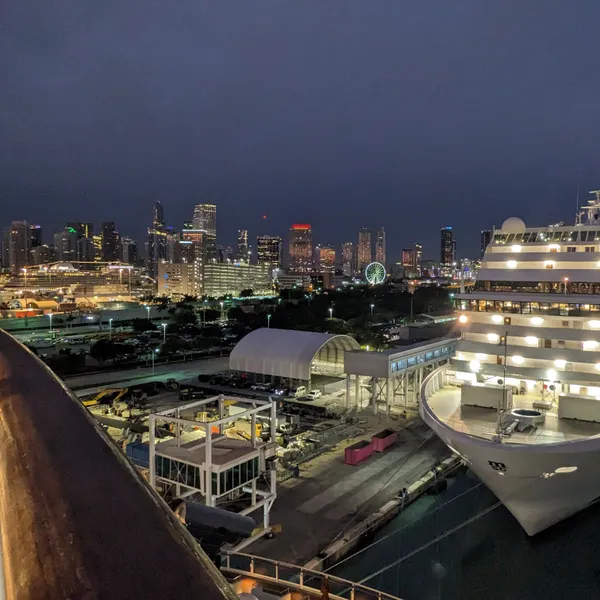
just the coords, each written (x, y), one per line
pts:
(340, 113)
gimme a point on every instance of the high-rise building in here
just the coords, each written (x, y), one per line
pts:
(36, 235)
(195, 237)
(486, 238)
(380, 246)
(65, 244)
(110, 242)
(219, 279)
(242, 254)
(419, 249)
(83, 230)
(158, 219)
(348, 259)
(129, 251)
(18, 243)
(84, 250)
(268, 251)
(448, 247)
(326, 259)
(40, 255)
(205, 218)
(179, 279)
(364, 254)
(300, 248)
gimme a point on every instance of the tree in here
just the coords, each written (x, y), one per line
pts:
(141, 325)
(246, 293)
(104, 350)
(185, 316)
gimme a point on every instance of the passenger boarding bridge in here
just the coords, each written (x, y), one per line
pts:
(397, 374)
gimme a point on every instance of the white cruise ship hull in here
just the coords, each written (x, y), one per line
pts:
(524, 477)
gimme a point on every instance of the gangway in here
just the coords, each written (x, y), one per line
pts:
(247, 571)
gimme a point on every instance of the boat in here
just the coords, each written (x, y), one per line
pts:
(520, 400)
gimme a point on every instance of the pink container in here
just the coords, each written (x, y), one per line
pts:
(355, 454)
(382, 440)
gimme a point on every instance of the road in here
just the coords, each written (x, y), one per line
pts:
(179, 371)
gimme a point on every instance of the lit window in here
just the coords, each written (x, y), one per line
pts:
(539, 321)
(594, 324)
(531, 340)
(598, 366)
(492, 337)
(551, 374)
(549, 264)
(481, 356)
(515, 248)
(474, 365)
(463, 319)
(518, 360)
(559, 363)
(511, 264)
(497, 318)
(590, 345)
(554, 247)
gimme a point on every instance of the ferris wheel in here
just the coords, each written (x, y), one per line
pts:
(375, 273)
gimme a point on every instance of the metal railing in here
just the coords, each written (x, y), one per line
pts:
(299, 578)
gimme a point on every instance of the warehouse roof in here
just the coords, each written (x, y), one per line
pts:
(285, 352)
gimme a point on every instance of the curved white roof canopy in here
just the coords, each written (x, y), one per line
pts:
(287, 353)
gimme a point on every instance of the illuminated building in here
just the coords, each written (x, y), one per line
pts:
(83, 230)
(179, 279)
(448, 247)
(129, 251)
(326, 259)
(411, 261)
(65, 244)
(110, 242)
(268, 251)
(156, 246)
(364, 255)
(242, 254)
(486, 238)
(36, 235)
(220, 279)
(158, 219)
(40, 255)
(195, 237)
(205, 218)
(18, 244)
(300, 248)
(380, 246)
(348, 259)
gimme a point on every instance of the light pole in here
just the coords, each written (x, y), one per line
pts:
(269, 321)
(164, 326)
(204, 313)
(566, 280)
(153, 360)
(372, 308)
(110, 329)
(148, 309)
(50, 315)
(330, 309)
(221, 303)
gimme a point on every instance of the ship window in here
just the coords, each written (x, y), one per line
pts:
(561, 343)
(565, 323)
(547, 343)
(571, 249)
(510, 238)
(564, 236)
(518, 237)
(590, 248)
(574, 236)
(584, 236)
(533, 236)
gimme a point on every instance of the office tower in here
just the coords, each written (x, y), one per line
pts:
(195, 238)
(84, 250)
(110, 241)
(65, 245)
(486, 238)
(205, 218)
(83, 230)
(300, 248)
(158, 219)
(97, 241)
(188, 225)
(326, 259)
(36, 235)
(18, 243)
(40, 255)
(448, 247)
(173, 250)
(419, 250)
(268, 251)
(364, 254)
(380, 250)
(242, 254)
(129, 251)
(348, 259)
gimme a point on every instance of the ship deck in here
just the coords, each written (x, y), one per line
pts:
(481, 422)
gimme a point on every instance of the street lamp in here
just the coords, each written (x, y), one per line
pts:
(110, 329)
(148, 309)
(50, 315)
(221, 303)
(330, 309)
(269, 320)
(153, 360)
(164, 326)
(372, 307)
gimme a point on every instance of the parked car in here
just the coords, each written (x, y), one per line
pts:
(314, 395)
(298, 392)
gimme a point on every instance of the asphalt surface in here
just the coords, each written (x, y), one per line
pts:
(77, 519)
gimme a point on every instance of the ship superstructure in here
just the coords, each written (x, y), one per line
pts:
(521, 398)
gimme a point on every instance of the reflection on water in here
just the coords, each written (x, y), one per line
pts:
(490, 557)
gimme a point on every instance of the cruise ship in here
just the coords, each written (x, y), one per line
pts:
(520, 400)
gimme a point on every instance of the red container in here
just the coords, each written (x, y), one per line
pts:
(382, 440)
(355, 454)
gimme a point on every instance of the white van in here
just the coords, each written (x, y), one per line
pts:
(299, 391)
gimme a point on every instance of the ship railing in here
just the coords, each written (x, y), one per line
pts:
(439, 379)
(298, 578)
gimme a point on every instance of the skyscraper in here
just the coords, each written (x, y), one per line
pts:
(196, 238)
(364, 254)
(65, 244)
(326, 257)
(85, 250)
(110, 242)
(242, 246)
(83, 230)
(18, 241)
(448, 247)
(205, 218)
(159, 215)
(36, 235)
(300, 248)
(380, 250)
(268, 251)
(348, 259)
(411, 261)
(486, 238)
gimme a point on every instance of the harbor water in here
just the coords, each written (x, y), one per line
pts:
(488, 557)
